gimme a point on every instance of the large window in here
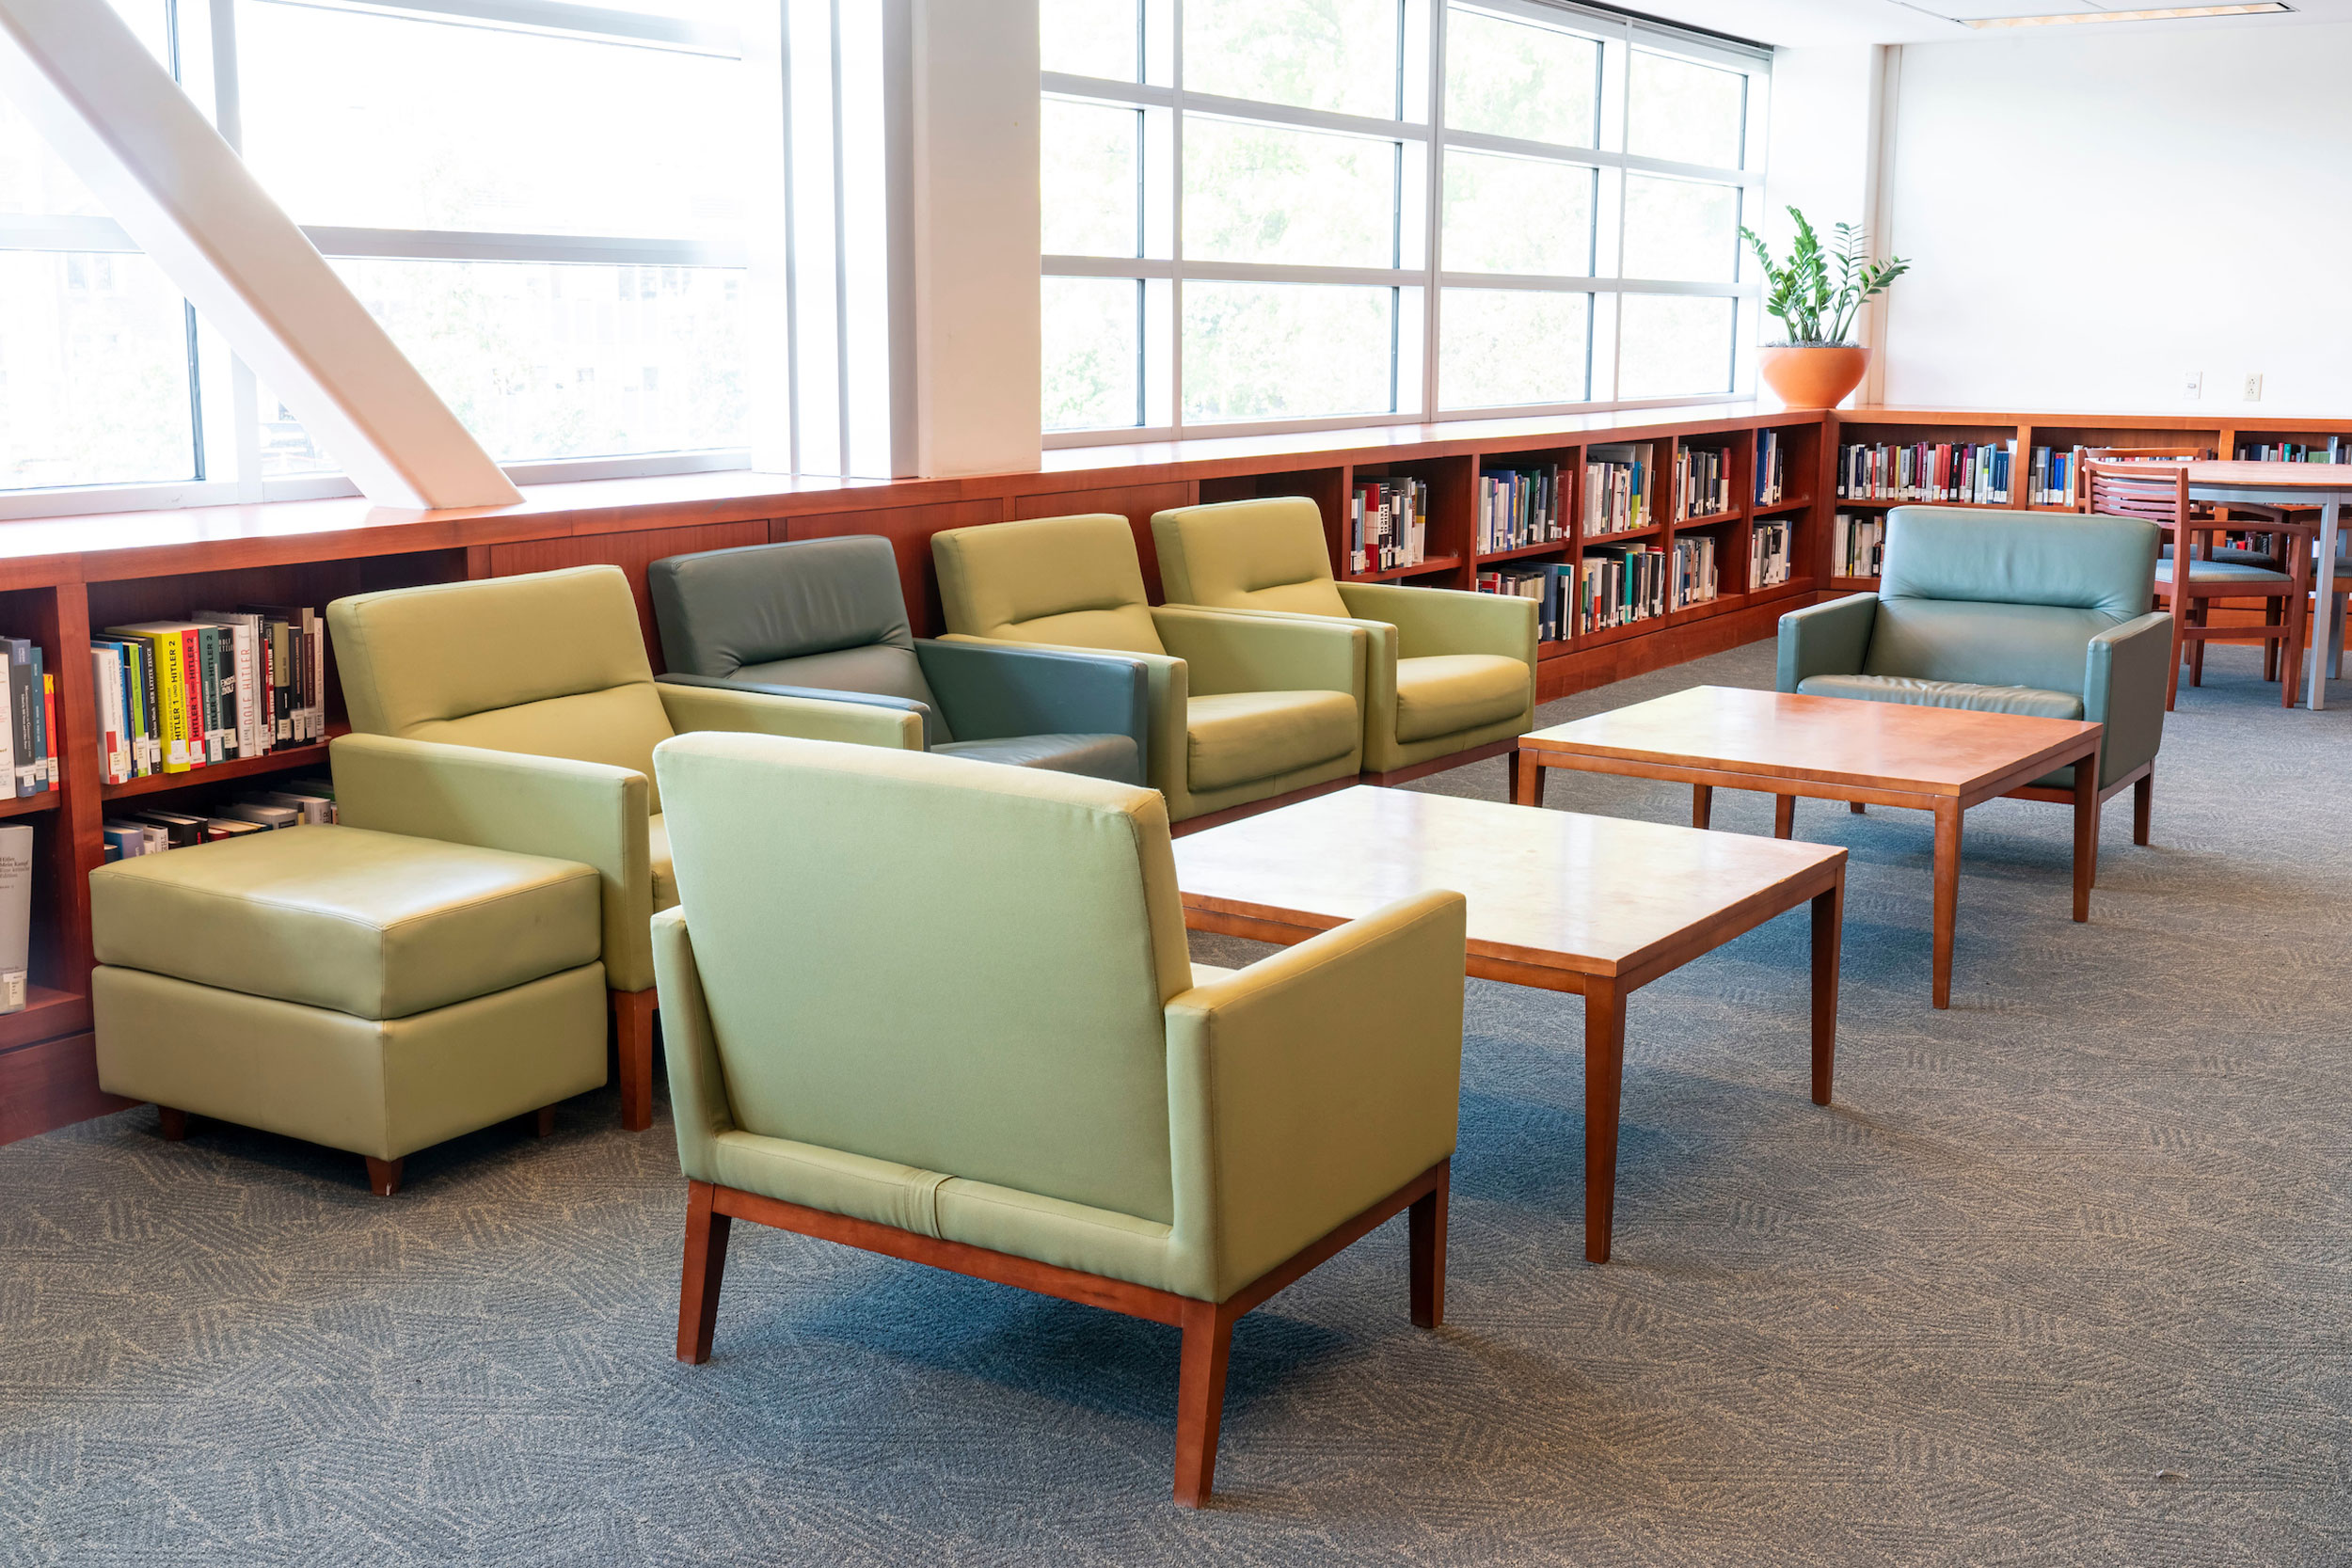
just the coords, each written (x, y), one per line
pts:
(1260, 213)
(543, 204)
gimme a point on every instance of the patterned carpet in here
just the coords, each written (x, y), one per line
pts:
(2064, 1278)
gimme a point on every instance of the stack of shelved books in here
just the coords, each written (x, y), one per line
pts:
(1546, 584)
(1855, 545)
(1619, 484)
(1388, 525)
(2295, 452)
(1772, 456)
(1976, 473)
(1518, 508)
(28, 721)
(174, 696)
(1768, 554)
(1695, 571)
(1702, 482)
(1622, 586)
(151, 833)
(2050, 480)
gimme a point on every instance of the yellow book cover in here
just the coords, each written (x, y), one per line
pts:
(171, 688)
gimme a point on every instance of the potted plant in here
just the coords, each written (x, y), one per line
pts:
(1817, 366)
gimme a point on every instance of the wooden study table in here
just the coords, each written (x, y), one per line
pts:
(2324, 486)
(1934, 759)
(1591, 905)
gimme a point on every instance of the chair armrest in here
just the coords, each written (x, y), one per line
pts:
(705, 703)
(1228, 652)
(1166, 694)
(2123, 680)
(1309, 1086)
(1432, 621)
(989, 693)
(1830, 639)
(690, 1046)
(591, 812)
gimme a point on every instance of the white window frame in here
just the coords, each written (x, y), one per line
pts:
(1423, 37)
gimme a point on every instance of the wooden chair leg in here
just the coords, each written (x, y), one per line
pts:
(1200, 1398)
(2294, 610)
(2172, 676)
(632, 1031)
(698, 1282)
(543, 1122)
(2144, 800)
(1854, 806)
(1425, 1224)
(2271, 617)
(383, 1176)
(172, 1123)
(2199, 613)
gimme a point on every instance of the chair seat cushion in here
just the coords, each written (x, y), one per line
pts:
(1448, 692)
(2228, 571)
(377, 925)
(664, 879)
(1097, 756)
(2031, 701)
(1242, 736)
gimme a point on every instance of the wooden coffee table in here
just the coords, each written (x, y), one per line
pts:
(1591, 905)
(1936, 759)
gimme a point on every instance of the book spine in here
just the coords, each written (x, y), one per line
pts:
(171, 693)
(49, 730)
(21, 727)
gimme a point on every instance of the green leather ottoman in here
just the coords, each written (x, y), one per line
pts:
(364, 991)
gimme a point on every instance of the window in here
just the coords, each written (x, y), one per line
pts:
(1275, 231)
(545, 205)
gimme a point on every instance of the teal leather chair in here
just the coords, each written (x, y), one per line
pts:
(944, 1011)
(2037, 613)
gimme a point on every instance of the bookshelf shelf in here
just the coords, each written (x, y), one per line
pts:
(1794, 588)
(1628, 536)
(1548, 547)
(1853, 585)
(47, 1013)
(1430, 567)
(23, 805)
(1957, 506)
(311, 755)
(1626, 633)
(1711, 518)
(1799, 504)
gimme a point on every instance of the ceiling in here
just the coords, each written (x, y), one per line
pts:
(1797, 23)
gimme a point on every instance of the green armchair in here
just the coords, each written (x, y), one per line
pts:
(1449, 677)
(521, 713)
(944, 1011)
(1244, 709)
(2006, 612)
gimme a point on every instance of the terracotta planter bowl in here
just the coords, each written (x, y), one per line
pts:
(1812, 378)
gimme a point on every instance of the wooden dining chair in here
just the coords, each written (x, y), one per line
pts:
(2189, 579)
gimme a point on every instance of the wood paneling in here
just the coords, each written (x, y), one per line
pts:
(53, 1083)
(631, 551)
(909, 528)
(1136, 502)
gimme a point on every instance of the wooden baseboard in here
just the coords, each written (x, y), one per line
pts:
(1442, 764)
(1575, 670)
(1251, 808)
(52, 1083)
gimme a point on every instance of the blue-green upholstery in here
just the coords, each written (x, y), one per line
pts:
(826, 618)
(2005, 612)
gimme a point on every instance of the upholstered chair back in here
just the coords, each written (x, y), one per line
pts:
(2004, 598)
(816, 612)
(550, 663)
(1264, 554)
(1073, 581)
(934, 962)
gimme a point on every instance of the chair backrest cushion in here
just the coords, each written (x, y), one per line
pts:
(1074, 581)
(941, 963)
(816, 612)
(548, 663)
(1263, 554)
(2004, 598)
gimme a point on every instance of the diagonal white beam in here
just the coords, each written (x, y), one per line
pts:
(186, 199)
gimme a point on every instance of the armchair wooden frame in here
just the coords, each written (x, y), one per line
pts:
(1208, 1325)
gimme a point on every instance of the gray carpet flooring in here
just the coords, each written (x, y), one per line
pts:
(2063, 1277)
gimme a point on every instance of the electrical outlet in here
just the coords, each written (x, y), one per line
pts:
(2195, 386)
(2254, 387)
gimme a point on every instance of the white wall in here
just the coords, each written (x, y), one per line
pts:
(1822, 152)
(2092, 218)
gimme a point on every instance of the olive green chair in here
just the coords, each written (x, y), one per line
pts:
(942, 1011)
(1449, 677)
(521, 713)
(1244, 709)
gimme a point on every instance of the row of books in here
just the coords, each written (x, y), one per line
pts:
(2294, 452)
(1856, 546)
(1544, 584)
(151, 833)
(2050, 478)
(28, 721)
(1768, 554)
(1702, 482)
(1519, 507)
(178, 695)
(1772, 458)
(1693, 571)
(1973, 472)
(1620, 587)
(1620, 483)
(1388, 524)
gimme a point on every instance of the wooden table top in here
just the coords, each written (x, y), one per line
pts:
(1828, 740)
(2277, 476)
(1548, 889)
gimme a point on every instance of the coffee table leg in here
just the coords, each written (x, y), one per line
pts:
(1784, 816)
(1528, 786)
(1604, 1084)
(2086, 832)
(1829, 924)
(1702, 805)
(1947, 894)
